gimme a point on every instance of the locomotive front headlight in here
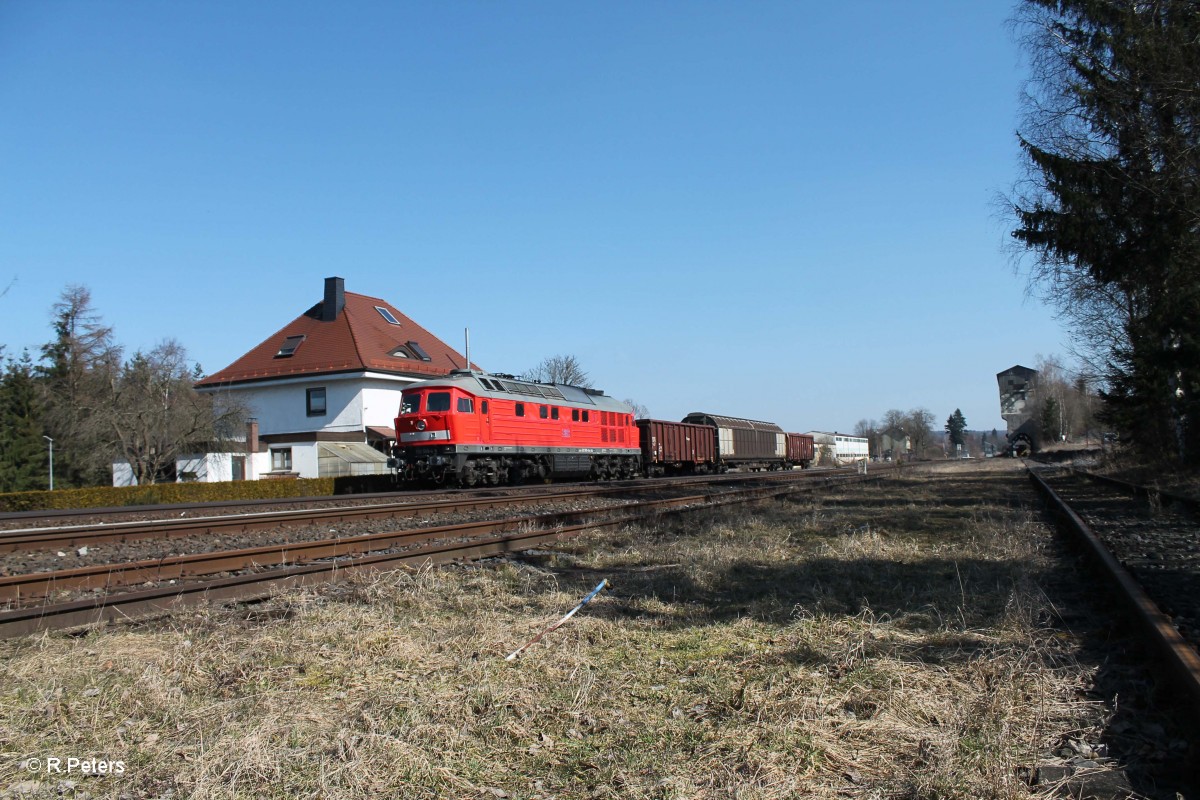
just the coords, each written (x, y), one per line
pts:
(420, 424)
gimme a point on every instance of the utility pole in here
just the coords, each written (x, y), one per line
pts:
(51, 441)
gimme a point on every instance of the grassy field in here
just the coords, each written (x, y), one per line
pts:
(888, 641)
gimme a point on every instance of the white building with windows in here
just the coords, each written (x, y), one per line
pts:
(840, 448)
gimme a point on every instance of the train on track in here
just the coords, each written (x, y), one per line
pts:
(473, 428)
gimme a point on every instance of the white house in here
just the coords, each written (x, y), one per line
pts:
(323, 390)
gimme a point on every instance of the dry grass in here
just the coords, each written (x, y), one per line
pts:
(887, 642)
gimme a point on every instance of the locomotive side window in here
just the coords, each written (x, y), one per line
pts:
(585, 415)
(438, 401)
(483, 406)
(465, 406)
(543, 412)
(410, 403)
(554, 412)
(520, 409)
(575, 415)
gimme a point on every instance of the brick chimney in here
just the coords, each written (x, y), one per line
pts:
(335, 299)
(252, 435)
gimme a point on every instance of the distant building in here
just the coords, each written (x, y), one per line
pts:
(1018, 397)
(839, 448)
(894, 446)
(1018, 389)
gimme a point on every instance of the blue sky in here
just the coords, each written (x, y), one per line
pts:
(779, 210)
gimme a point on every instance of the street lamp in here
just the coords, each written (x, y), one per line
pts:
(51, 441)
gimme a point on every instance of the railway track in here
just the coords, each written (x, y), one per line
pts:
(182, 521)
(1148, 551)
(264, 570)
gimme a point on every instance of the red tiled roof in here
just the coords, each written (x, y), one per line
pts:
(359, 339)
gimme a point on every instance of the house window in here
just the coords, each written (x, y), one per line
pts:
(289, 346)
(281, 459)
(420, 351)
(315, 402)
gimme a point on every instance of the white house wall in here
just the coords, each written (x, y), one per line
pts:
(381, 402)
(352, 401)
(123, 474)
(207, 467)
(304, 459)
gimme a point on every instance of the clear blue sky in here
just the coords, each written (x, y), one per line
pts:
(778, 210)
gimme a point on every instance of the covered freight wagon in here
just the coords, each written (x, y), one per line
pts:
(675, 448)
(745, 443)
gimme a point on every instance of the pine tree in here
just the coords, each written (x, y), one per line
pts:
(78, 367)
(23, 452)
(955, 426)
(1113, 142)
(1050, 420)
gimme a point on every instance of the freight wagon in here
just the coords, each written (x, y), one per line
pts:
(745, 443)
(801, 450)
(676, 448)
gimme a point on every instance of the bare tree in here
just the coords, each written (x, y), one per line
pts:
(869, 430)
(639, 410)
(156, 416)
(1071, 396)
(894, 422)
(918, 425)
(558, 369)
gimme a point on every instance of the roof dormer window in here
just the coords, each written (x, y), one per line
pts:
(420, 351)
(399, 352)
(388, 315)
(288, 348)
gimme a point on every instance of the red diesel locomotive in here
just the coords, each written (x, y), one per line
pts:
(476, 428)
(473, 428)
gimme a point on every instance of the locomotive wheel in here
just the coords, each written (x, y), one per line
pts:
(469, 476)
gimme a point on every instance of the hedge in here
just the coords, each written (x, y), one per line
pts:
(167, 493)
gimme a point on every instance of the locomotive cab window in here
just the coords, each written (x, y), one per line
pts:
(410, 403)
(465, 406)
(438, 401)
